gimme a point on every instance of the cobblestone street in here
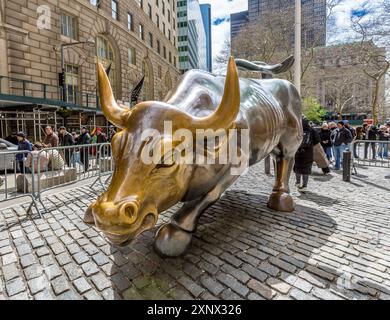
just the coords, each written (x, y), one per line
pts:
(336, 245)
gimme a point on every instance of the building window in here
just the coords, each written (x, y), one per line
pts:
(183, 24)
(130, 21)
(157, 3)
(150, 39)
(157, 20)
(174, 41)
(95, 3)
(68, 26)
(174, 23)
(132, 56)
(169, 16)
(105, 53)
(158, 47)
(159, 72)
(163, 8)
(174, 61)
(169, 35)
(72, 83)
(141, 31)
(165, 52)
(150, 13)
(114, 9)
(163, 24)
(140, 3)
(170, 57)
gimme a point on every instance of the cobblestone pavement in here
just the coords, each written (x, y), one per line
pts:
(336, 245)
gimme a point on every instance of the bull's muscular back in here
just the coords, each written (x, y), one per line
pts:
(268, 108)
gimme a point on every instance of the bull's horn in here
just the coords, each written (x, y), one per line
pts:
(229, 107)
(111, 110)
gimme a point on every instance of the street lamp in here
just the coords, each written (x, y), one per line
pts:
(89, 42)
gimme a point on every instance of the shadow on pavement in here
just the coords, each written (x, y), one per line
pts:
(241, 250)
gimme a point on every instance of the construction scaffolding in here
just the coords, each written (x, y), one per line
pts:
(34, 122)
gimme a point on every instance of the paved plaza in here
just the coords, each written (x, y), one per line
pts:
(336, 245)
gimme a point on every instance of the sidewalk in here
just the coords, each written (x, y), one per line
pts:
(334, 246)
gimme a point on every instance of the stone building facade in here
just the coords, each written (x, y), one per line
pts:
(135, 37)
(338, 76)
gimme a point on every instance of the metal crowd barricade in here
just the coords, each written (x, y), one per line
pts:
(106, 165)
(15, 166)
(372, 153)
(39, 171)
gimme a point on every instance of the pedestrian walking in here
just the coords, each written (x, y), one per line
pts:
(84, 139)
(66, 140)
(111, 133)
(23, 144)
(304, 156)
(383, 147)
(325, 140)
(340, 138)
(372, 134)
(51, 139)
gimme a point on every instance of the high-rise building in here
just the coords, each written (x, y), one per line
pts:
(135, 37)
(237, 21)
(191, 36)
(206, 17)
(313, 19)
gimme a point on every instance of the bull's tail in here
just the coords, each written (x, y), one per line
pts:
(267, 71)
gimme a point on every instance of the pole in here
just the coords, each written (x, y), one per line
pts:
(297, 46)
(63, 73)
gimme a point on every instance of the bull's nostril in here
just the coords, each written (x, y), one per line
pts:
(129, 212)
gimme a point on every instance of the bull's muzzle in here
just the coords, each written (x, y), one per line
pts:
(122, 222)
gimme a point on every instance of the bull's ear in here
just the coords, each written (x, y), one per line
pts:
(227, 111)
(111, 110)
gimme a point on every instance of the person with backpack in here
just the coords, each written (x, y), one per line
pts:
(304, 156)
(340, 138)
(66, 140)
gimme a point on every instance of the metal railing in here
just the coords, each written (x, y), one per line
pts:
(32, 173)
(373, 153)
(37, 92)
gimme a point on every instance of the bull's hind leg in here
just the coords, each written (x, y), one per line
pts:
(174, 238)
(280, 198)
(88, 216)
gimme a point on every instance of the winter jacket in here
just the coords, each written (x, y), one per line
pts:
(304, 156)
(319, 156)
(101, 138)
(23, 145)
(340, 136)
(325, 138)
(84, 138)
(383, 136)
(372, 133)
(51, 140)
(66, 139)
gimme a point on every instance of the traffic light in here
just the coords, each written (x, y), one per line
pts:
(61, 79)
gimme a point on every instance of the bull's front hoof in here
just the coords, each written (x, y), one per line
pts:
(88, 216)
(281, 201)
(171, 241)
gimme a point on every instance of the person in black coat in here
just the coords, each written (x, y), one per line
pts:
(66, 140)
(304, 157)
(372, 134)
(84, 138)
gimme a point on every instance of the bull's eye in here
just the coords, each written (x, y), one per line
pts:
(167, 161)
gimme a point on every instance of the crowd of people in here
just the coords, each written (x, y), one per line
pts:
(53, 159)
(326, 146)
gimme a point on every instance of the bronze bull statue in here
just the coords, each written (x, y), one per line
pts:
(269, 109)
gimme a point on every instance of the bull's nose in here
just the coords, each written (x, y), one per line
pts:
(129, 212)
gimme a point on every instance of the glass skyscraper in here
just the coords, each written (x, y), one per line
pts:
(191, 36)
(206, 16)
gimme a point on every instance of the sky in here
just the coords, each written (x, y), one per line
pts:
(338, 26)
